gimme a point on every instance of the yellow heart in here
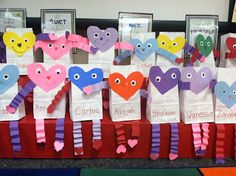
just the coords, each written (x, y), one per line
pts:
(19, 44)
(173, 46)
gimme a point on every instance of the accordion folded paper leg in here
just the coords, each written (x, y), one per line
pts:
(220, 140)
(120, 137)
(97, 140)
(40, 131)
(133, 141)
(174, 143)
(59, 142)
(205, 139)
(197, 138)
(78, 140)
(155, 150)
(15, 136)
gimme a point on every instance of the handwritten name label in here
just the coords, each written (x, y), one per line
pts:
(89, 111)
(199, 115)
(124, 112)
(39, 108)
(222, 114)
(163, 113)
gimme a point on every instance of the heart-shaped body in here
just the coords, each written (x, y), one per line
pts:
(164, 81)
(198, 80)
(19, 44)
(225, 93)
(102, 39)
(9, 75)
(81, 78)
(205, 46)
(125, 87)
(231, 44)
(173, 46)
(46, 79)
(144, 50)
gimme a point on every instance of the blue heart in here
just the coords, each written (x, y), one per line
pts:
(225, 93)
(8, 77)
(82, 79)
(144, 50)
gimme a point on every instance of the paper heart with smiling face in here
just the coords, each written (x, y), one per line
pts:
(102, 39)
(164, 81)
(205, 46)
(125, 87)
(46, 79)
(231, 44)
(198, 80)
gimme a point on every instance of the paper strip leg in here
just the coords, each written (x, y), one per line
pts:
(120, 137)
(105, 97)
(205, 128)
(155, 150)
(174, 144)
(40, 131)
(59, 142)
(97, 139)
(15, 136)
(220, 139)
(197, 138)
(134, 135)
(78, 138)
(235, 141)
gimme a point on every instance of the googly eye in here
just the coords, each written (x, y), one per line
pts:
(58, 71)
(96, 35)
(38, 71)
(175, 44)
(234, 92)
(223, 91)
(50, 45)
(173, 75)
(76, 76)
(12, 40)
(133, 83)
(62, 46)
(201, 43)
(138, 45)
(108, 34)
(149, 45)
(203, 74)
(94, 75)
(189, 75)
(26, 40)
(5, 77)
(234, 46)
(208, 43)
(163, 42)
(158, 79)
(117, 81)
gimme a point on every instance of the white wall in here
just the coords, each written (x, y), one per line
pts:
(162, 9)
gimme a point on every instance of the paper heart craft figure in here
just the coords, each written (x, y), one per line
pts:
(204, 45)
(47, 81)
(231, 45)
(81, 79)
(57, 46)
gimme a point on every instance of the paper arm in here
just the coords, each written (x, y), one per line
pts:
(212, 84)
(196, 55)
(3, 52)
(124, 46)
(172, 57)
(184, 85)
(122, 56)
(95, 87)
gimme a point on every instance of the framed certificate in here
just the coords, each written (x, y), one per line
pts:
(58, 19)
(12, 18)
(207, 25)
(133, 22)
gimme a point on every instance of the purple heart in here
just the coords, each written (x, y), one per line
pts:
(164, 81)
(102, 39)
(198, 80)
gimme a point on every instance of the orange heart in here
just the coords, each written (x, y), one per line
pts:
(126, 87)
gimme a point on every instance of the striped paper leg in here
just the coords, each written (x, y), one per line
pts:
(235, 141)
(59, 142)
(97, 139)
(155, 150)
(197, 138)
(78, 140)
(134, 134)
(205, 128)
(174, 144)
(15, 136)
(120, 137)
(40, 131)
(220, 139)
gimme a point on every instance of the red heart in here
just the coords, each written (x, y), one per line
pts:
(231, 44)
(125, 87)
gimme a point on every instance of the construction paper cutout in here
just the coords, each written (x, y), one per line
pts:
(8, 77)
(102, 39)
(81, 78)
(144, 50)
(205, 46)
(173, 46)
(198, 80)
(46, 79)
(164, 81)
(225, 93)
(125, 87)
(132, 142)
(19, 44)
(231, 44)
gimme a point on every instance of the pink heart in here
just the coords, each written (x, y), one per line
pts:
(10, 109)
(173, 156)
(46, 80)
(132, 142)
(154, 156)
(121, 149)
(88, 90)
(58, 145)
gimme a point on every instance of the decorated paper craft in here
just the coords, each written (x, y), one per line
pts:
(205, 46)
(45, 84)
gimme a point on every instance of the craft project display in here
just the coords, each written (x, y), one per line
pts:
(19, 44)
(196, 103)
(46, 81)
(9, 75)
